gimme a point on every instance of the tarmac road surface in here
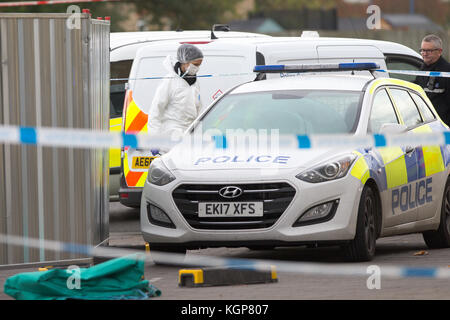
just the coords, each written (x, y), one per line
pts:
(405, 251)
(408, 250)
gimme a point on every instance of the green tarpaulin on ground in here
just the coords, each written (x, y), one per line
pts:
(121, 278)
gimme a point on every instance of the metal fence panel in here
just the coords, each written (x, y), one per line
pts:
(53, 76)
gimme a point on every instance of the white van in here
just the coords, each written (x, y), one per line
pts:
(124, 45)
(123, 48)
(231, 62)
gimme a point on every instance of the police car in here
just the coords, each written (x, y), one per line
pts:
(333, 196)
(229, 61)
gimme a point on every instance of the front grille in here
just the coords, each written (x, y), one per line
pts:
(276, 197)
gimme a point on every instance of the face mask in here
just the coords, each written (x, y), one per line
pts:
(192, 70)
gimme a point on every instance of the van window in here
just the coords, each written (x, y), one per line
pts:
(117, 96)
(398, 62)
(260, 61)
(119, 70)
(382, 112)
(423, 107)
(220, 66)
(406, 107)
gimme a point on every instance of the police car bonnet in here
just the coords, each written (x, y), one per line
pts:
(181, 158)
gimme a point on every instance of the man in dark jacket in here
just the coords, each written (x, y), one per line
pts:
(436, 88)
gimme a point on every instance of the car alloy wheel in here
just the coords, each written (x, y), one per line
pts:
(362, 247)
(369, 223)
(446, 209)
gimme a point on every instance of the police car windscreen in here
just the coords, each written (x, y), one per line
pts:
(295, 112)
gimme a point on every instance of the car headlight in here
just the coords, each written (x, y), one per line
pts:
(331, 170)
(158, 173)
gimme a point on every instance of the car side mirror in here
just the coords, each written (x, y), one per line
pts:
(393, 128)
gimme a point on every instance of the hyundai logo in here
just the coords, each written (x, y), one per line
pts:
(230, 192)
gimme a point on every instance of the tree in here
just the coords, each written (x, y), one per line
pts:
(186, 14)
(269, 5)
(176, 14)
(298, 14)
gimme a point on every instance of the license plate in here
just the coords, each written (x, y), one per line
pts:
(230, 209)
(141, 162)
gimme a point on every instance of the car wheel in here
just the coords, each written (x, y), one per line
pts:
(162, 255)
(362, 247)
(440, 238)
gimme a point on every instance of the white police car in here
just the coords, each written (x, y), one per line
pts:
(279, 197)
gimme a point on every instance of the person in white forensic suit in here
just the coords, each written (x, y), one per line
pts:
(177, 102)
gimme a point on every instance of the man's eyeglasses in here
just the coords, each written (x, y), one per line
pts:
(428, 50)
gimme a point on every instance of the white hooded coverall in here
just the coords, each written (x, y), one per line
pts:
(175, 105)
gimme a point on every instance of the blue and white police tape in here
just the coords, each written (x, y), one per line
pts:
(201, 260)
(82, 138)
(438, 74)
(89, 139)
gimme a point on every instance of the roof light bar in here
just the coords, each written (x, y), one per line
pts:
(287, 68)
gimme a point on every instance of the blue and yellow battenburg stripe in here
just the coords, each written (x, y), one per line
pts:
(360, 169)
(390, 167)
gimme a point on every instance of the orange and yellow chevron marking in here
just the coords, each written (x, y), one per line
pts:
(133, 178)
(135, 122)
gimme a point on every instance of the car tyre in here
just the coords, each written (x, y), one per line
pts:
(159, 255)
(440, 238)
(362, 247)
